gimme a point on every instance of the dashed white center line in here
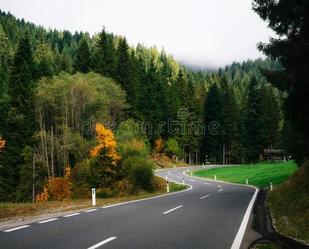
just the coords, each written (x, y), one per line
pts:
(45, 221)
(70, 215)
(205, 196)
(102, 243)
(173, 209)
(207, 183)
(219, 186)
(91, 210)
(220, 190)
(15, 228)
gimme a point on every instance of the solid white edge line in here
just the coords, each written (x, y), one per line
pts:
(70, 215)
(91, 210)
(242, 229)
(220, 190)
(205, 196)
(45, 221)
(15, 228)
(173, 209)
(102, 243)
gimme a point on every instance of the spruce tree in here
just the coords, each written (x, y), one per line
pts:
(122, 73)
(83, 57)
(212, 144)
(254, 123)
(105, 55)
(290, 21)
(20, 124)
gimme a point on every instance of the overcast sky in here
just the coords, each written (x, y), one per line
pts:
(207, 33)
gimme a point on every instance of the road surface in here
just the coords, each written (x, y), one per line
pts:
(208, 215)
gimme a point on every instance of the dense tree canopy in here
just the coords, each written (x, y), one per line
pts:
(56, 85)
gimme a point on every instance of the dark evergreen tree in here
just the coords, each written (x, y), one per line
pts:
(105, 55)
(83, 57)
(123, 68)
(254, 123)
(20, 124)
(211, 143)
(229, 121)
(290, 21)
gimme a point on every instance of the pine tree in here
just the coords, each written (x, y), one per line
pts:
(290, 21)
(123, 68)
(105, 55)
(4, 77)
(83, 57)
(212, 144)
(20, 124)
(254, 123)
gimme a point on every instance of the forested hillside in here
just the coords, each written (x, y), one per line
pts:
(80, 111)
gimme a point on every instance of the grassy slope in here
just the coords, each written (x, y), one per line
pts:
(289, 205)
(259, 174)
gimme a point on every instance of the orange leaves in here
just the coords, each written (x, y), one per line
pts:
(57, 188)
(107, 142)
(43, 196)
(2, 143)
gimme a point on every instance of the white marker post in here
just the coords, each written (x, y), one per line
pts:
(247, 181)
(167, 187)
(183, 181)
(93, 197)
(271, 186)
(215, 177)
(166, 178)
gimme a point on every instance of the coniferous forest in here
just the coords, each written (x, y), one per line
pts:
(79, 111)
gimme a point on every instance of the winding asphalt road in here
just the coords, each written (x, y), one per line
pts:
(208, 215)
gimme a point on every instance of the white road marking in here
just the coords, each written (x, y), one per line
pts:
(173, 209)
(191, 180)
(220, 189)
(15, 228)
(219, 186)
(91, 210)
(102, 243)
(207, 183)
(205, 196)
(241, 231)
(178, 177)
(45, 221)
(70, 215)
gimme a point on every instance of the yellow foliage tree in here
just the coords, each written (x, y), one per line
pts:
(107, 142)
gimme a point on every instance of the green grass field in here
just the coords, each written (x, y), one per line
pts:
(258, 174)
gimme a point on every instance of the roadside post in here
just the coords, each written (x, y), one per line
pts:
(271, 186)
(247, 180)
(167, 187)
(183, 181)
(93, 197)
(166, 178)
(215, 177)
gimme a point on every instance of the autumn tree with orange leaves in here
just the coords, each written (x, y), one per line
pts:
(105, 157)
(2, 143)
